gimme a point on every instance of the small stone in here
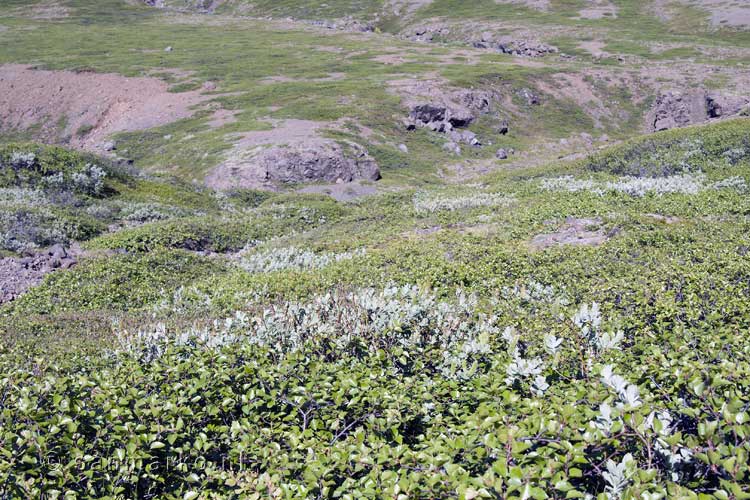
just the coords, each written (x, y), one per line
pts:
(452, 147)
(168, 49)
(504, 128)
(501, 154)
(403, 148)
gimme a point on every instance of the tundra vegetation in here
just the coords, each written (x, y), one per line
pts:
(417, 343)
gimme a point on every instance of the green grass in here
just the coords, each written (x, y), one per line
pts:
(128, 358)
(244, 53)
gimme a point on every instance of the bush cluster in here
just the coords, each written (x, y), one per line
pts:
(391, 393)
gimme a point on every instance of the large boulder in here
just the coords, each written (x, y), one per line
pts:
(304, 162)
(680, 109)
(443, 111)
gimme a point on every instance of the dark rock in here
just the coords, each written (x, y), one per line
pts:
(504, 128)
(57, 251)
(124, 162)
(465, 136)
(531, 98)
(515, 47)
(108, 146)
(314, 161)
(410, 124)
(680, 109)
(427, 113)
(713, 108)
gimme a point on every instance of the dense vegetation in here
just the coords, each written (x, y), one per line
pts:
(418, 344)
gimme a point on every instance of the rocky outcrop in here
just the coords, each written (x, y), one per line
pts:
(305, 162)
(346, 24)
(521, 48)
(443, 111)
(680, 109)
(427, 33)
(17, 275)
(440, 117)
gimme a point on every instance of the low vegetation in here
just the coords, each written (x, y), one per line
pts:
(536, 301)
(409, 345)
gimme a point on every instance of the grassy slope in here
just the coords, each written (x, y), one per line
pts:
(376, 416)
(240, 55)
(315, 420)
(483, 249)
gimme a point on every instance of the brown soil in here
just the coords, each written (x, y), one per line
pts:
(583, 232)
(406, 7)
(85, 108)
(542, 5)
(732, 13)
(599, 9)
(727, 13)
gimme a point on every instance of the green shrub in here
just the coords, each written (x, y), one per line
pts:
(115, 282)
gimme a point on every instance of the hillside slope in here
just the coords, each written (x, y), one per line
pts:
(271, 103)
(525, 334)
(374, 249)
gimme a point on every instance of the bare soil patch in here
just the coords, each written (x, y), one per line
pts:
(406, 7)
(580, 232)
(731, 13)
(599, 9)
(84, 108)
(594, 47)
(542, 5)
(45, 11)
(721, 13)
(222, 117)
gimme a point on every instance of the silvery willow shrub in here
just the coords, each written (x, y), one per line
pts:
(90, 180)
(22, 196)
(675, 151)
(22, 160)
(737, 183)
(292, 258)
(430, 203)
(55, 169)
(364, 320)
(147, 212)
(635, 186)
(381, 393)
(24, 230)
